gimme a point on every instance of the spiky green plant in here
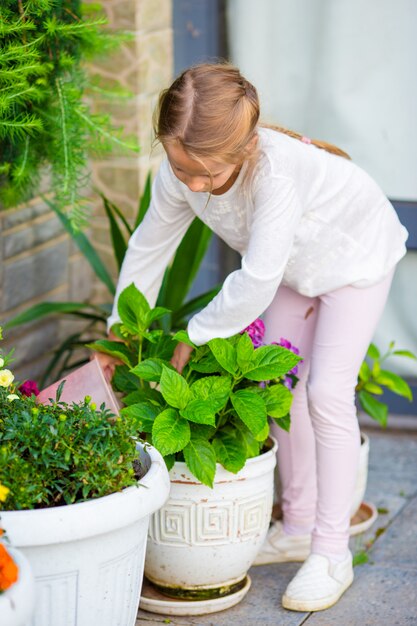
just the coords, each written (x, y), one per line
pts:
(45, 121)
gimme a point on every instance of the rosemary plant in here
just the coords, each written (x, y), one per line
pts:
(45, 121)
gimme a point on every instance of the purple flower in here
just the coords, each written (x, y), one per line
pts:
(28, 388)
(256, 332)
(289, 380)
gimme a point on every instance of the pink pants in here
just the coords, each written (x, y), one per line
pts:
(318, 459)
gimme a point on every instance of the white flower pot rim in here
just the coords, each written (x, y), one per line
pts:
(254, 466)
(94, 517)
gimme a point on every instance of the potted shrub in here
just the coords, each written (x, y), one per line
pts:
(81, 491)
(16, 582)
(373, 378)
(210, 423)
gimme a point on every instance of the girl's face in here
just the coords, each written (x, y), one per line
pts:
(196, 174)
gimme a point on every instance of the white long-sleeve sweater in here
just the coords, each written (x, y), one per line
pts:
(304, 218)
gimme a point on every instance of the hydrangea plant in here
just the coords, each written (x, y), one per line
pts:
(217, 409)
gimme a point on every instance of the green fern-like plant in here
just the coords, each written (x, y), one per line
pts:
(45, 121)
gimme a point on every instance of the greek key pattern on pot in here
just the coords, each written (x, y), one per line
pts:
(214, 522)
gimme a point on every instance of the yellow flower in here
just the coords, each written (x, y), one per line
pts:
(12, 396)
(4, 491)
(6, 378)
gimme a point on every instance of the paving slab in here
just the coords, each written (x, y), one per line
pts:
(379, 596)
(398, 544)
(384, 592)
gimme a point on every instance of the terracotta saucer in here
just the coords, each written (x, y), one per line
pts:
(363, 519)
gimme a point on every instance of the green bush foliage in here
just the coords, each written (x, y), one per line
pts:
(45, 121)
(57, 454)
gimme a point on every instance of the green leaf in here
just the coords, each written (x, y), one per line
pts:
(149, 369)
(153, 335)
(263, 434)
(405, 353)
(364, 372)
(215, 389)
(376, 409)
(247, 439)
(395, 383)
(230, 451)
(200, 412)
(143, 415)
(202, 430)
(133, 309)
(360, 558)
(251, 409)
(278, 400)
(87, 249)
(174, 388)
(270, 362)
(182, 336)
(373, 352)
(170, 432)
(43, 309)
(201, 459)
(144, 202)
(156, 314)
(224, 353)
(143, 395)
(244, 352)
(169, 461)
(118, 241)
(117, 349)
(186, 263)
(206, 365)
(373, 388)
(119, 213)
(194, 305)
(123, 380)
(283, 422)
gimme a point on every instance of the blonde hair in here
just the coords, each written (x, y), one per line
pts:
(213, 112)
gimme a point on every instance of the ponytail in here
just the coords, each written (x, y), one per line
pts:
(323, 145)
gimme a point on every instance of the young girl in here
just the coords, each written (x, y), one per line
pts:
(319, 243)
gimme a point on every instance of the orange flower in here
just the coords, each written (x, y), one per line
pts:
(8, 569)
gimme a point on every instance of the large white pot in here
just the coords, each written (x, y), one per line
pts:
(16, 603)
(87, 558)
(208, 538)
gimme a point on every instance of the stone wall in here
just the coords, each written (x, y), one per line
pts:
(144, 66)
(38, 261)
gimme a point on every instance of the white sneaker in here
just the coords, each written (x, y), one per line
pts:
(279, 547)
(318, 584)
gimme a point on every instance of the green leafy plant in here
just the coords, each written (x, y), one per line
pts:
(60, 453)
(217, 409)
(175, 287)
(45, 121)
(374, 377)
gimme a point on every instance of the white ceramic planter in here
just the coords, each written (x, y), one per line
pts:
(362, 477)
(87, 558)
(16, 603)
(208, 538)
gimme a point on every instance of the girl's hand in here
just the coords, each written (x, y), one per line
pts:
(107, 362)
(181, 356)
